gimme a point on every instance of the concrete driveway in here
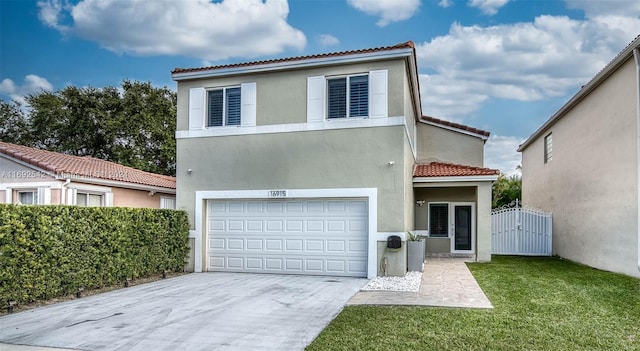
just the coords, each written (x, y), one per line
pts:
(203, 311)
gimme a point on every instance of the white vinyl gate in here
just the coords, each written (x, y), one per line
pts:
(520, 231)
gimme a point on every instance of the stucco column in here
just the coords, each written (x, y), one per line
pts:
(483, 244)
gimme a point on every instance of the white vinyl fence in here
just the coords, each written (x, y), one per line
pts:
(520, 231)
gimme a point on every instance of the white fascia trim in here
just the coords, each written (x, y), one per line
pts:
(346, 123)
(457, 130)
(488, 178)
(124, 185)
(371, 194)
(27, 185)
(287, 65)
(89, 188)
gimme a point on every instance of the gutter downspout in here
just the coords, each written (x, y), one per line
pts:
(636, 56)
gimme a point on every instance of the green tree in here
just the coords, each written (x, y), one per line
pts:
(133, 125)
(13, 123)
(506, 189)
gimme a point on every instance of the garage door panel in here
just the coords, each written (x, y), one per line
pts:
(254, 263)
(357, 246)
(319, 237)
(294, 245)
(315, 226)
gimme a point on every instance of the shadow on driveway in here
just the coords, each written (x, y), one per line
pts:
(202, 311)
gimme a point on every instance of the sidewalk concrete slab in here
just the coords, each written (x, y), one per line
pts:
(202, 311)
(446, 282)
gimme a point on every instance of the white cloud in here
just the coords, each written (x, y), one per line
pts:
(388, 10)
(521, 61)
(328, 40)
(195, 28)
(32, 84)
(488, 7)
(51, 13)
(445, 3)
(500, 152)
(594, 8)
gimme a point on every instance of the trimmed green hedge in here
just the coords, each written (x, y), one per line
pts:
(49, 251)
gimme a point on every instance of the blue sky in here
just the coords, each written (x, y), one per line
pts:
(500, 65)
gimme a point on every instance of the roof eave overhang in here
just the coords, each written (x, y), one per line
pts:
(288, 65)
(415, 84)
(124, 185)
(618, 61)
(458, 130)
(456, 179)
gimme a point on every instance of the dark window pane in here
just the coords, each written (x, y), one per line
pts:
(439, 220)
(233, 107)
(215, 108)
(359, 96)
(337, 98)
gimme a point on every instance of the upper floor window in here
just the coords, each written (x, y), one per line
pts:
(218, 107)
(348, 97)
(357, 95)
(223, 107)
(88, 200)
(28, 197)
(548, 148)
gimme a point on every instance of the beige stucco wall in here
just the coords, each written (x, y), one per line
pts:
(409, 111)
(136, 198)
(478, 193)
(443, 145)
(282, 96)
(343, 158)
(591, 185)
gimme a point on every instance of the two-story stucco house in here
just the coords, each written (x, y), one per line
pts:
(31, 176)
(306, 165)
(582, 165)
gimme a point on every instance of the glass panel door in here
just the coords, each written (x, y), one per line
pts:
(463, 223)
(463, 228)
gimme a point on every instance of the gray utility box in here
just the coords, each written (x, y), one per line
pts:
(415, 255)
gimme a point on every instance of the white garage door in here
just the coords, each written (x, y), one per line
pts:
(310, 236)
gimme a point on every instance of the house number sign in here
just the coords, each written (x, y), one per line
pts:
(277, 193)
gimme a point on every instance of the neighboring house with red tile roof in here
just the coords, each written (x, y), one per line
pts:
(33, 176)
(583, 165)
(308, 165)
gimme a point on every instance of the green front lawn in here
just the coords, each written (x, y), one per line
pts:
(539, 304)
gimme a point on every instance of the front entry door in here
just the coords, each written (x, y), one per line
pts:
(463, 228)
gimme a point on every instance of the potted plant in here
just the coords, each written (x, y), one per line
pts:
(415, 252)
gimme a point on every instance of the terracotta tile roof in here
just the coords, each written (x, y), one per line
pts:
(77, 167)
(440, 169)
(407, 45)
(456, 126)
